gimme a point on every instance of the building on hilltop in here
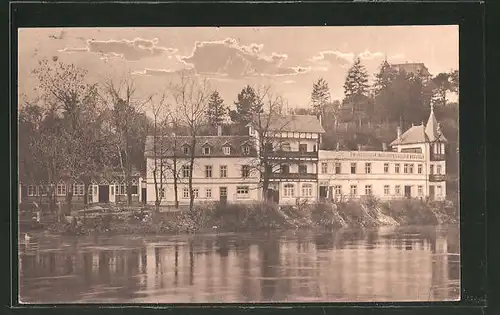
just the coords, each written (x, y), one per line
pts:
(417, 69)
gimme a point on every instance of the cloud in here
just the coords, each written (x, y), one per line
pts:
(131, 50)
(162, 72)
(228, 58)
(368, 55)
(333, 58)
(328, 58)
(396, 56)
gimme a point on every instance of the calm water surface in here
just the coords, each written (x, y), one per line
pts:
(387, 264)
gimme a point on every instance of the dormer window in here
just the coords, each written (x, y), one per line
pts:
(185, 149)
(226, 150)
(250, 131)
(206, 150)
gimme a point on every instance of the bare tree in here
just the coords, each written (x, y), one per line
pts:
(268, 126)
(121, 98)
(172, 166)
(191, 97)
(160, 113)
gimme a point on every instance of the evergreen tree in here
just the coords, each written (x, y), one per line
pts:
(383, 78)
(216, 110)
(356, 82)
(247, 104)
(442, 84)
(320, 95)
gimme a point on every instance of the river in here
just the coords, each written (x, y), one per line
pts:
(418, 263)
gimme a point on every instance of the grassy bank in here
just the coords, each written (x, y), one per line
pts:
(206, 217)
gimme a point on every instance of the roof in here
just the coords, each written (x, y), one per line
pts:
(295, 123)
(422, 133)
(216, 144)
(416, 134)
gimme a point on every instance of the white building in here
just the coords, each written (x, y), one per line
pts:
(415, 168)
(227, 168)
(222, 169)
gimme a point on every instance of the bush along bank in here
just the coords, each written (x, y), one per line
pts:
(209, 217)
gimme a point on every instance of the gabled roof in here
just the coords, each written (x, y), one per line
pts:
(293, 123)
(416, 134)
(422, 133)
(167, 144)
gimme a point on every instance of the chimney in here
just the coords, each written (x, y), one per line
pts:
(219, 130)
(384, 146)
(399, 132)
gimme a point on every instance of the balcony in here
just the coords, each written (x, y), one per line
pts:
(436, 177)
(438, 157)
(287, 176)
(292, 154)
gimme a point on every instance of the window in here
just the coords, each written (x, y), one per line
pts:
(245, 171)
(43, 190)
(94, 188)
(242, 191)
(431, 169)
(353, 168)
(419, 168)
(289, 190)
(186, 171)
(386, 190)
(246, 150)
(226, 150)
(223, 171)
(285, 147)
(121, 189)
(185, 149)
(410, 168)
(438, 169)
(397, 190)
(337, 168)
(368, 168)
(206, 150)
(354, 190)
(223, 191)
(134, 189)
(285, 169)
(314, 148)
(208, 193)
(208, 171)
(386, 168)
(250, 131)
(439, 190)
(324, 168)
(368, 189)
(31, 190)
(185, 193)
(269, 147)
(307, 190)
(338, 190)
(396, 168)
(196, 192)
(78, 189)
(303, 169)
(420, 190)
(162, 193)
(303, 147)
(113, 189)
(406, 168)
(61, 189)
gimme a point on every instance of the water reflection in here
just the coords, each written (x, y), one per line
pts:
(388, 264)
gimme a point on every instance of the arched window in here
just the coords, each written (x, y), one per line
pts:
(289, 190)
(135, 187)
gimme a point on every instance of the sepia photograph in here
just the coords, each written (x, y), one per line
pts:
(238, 164)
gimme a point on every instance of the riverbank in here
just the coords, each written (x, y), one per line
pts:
(205, 217)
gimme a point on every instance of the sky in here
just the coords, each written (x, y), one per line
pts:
(289, 59)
